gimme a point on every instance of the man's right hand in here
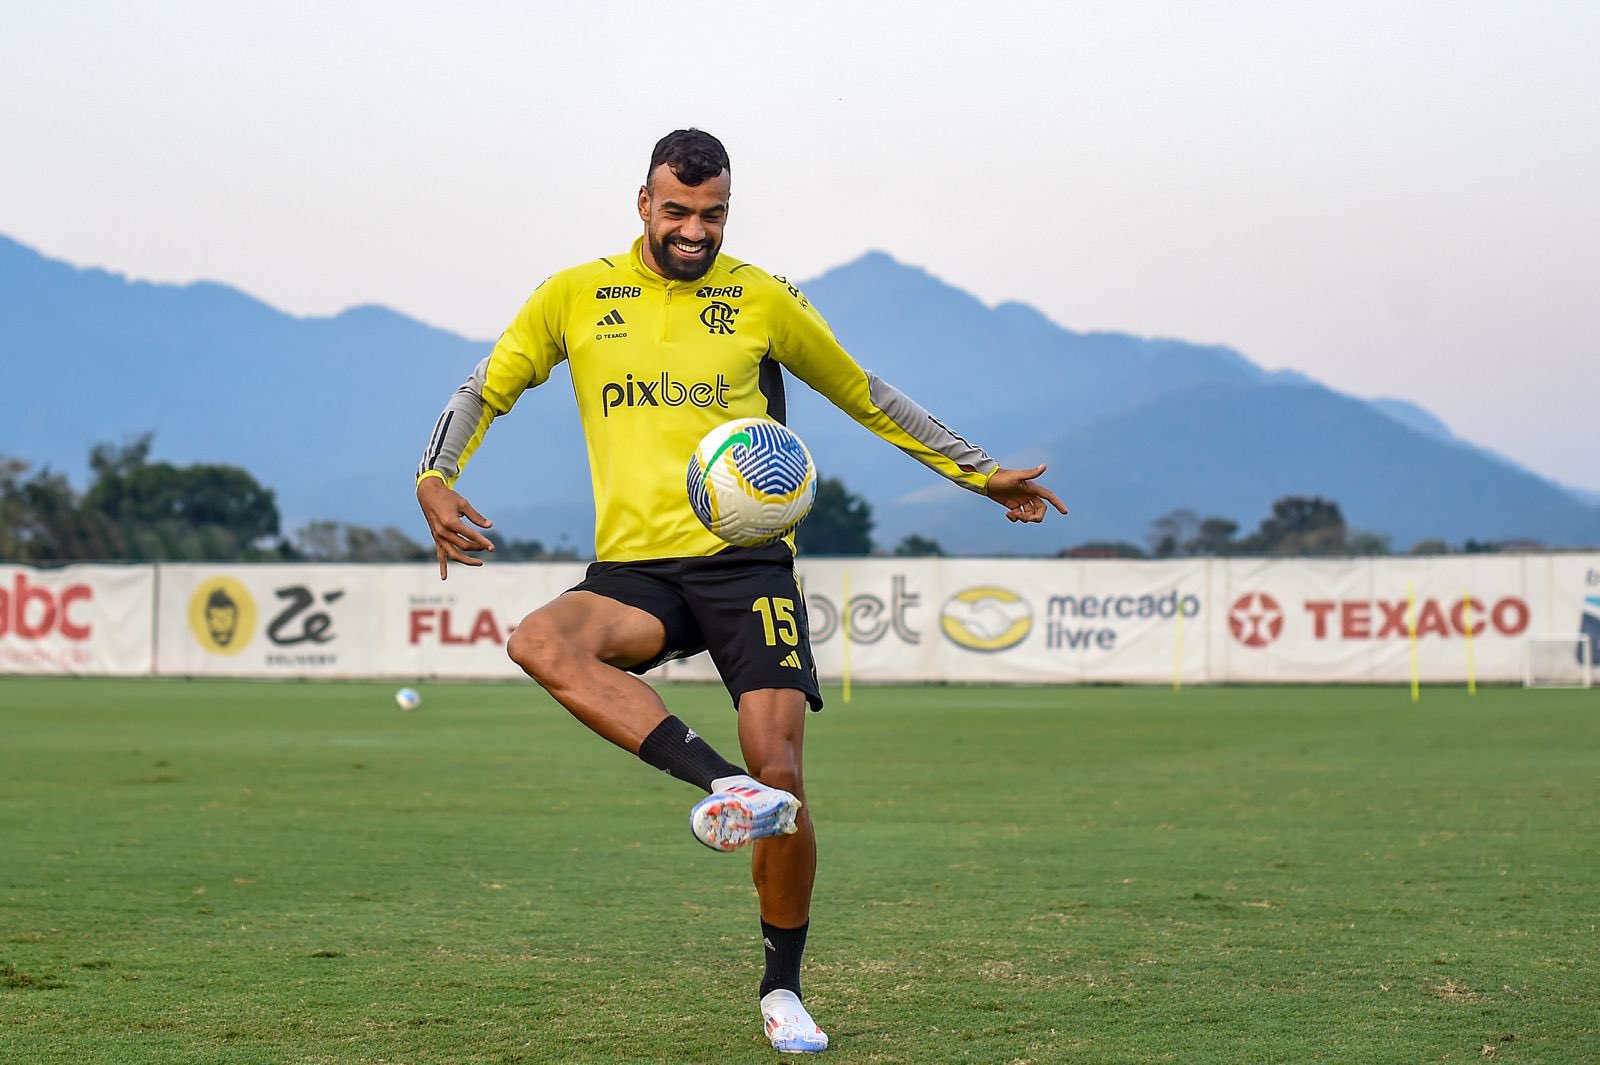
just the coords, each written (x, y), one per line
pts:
(448, 512)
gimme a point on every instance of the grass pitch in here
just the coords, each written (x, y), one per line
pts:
(235, 872)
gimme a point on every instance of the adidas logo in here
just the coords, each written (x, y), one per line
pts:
(614, 318)
(691, 736)
(791, 659)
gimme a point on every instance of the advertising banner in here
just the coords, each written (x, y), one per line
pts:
(1190, 621)
(270, 620)
(1353, 619)
(459, 627)
(77, 619)
(1571, 600)
(1007, 620)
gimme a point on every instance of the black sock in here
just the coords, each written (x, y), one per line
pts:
(673, 747)
(784, 948)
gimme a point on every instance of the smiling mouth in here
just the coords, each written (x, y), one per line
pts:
(688, 250)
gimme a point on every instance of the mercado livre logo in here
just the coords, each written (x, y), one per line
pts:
(986, 618)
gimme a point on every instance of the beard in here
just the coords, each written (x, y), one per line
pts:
(677, 268)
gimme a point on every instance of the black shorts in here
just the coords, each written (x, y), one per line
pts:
(743, 605)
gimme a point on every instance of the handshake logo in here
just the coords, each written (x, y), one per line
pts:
(662, 391)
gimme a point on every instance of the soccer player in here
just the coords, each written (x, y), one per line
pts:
(666, 341)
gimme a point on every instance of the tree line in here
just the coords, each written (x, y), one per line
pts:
(1296, 526)
(139, 510)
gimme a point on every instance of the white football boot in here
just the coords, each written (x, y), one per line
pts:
(741, 809)
(789, 1026)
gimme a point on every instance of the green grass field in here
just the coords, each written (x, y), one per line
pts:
(235, 872)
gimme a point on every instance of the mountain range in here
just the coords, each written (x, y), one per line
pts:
(333, 412)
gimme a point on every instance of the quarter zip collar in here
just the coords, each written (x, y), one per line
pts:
(642, 268)
(655, 280)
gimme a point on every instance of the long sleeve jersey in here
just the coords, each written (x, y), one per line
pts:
(656, 364)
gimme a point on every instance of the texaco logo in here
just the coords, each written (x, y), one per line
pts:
(1256, 619)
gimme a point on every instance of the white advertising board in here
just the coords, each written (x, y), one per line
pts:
(270, 620)
(459, 627)
(885, 619)
(1353, 619)
(77, 619)
(1008, 620)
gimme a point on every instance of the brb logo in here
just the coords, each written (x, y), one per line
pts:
(33, 612)
(662, 392)
(1255, 619)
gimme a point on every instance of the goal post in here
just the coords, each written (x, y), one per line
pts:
(1558, 661)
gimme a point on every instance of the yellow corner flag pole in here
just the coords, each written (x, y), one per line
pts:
(1411, 626)
(1466, 625)
(1177, 653)
(844, 627)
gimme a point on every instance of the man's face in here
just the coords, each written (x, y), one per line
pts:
(683, 223)
(222, 621)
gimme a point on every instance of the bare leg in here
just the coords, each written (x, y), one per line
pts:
(771, 734)
(578, 646)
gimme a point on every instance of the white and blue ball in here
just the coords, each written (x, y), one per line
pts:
(407, 699)
(751, 481)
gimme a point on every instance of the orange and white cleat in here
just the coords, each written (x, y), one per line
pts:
(789, 1026)
(740, 810)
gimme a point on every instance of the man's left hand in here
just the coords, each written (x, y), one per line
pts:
(1023, 498)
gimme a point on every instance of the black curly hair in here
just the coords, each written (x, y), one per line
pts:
(693, 154)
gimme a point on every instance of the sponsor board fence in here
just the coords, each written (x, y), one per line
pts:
(1192, 621)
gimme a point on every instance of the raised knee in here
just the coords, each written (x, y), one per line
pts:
(537, 648)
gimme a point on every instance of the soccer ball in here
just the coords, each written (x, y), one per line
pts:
(407, 699)
(751, 480)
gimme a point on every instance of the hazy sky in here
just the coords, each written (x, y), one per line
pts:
(1399, 199)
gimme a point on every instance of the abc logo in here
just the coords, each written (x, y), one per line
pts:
(986, 619)
(32, 612)
(222, 615)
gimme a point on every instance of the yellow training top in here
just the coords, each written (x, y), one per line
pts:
(656, 364)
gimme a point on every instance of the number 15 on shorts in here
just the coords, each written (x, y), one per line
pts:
(777, 620)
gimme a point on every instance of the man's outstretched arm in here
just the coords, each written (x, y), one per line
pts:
(807, 347)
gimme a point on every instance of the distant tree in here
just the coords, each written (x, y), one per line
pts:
(1367, 543)
(1475, 546)
(1299, 525)
(332, 541)
(41, 519)
(135, 494)
(1430, 546)
(1214, 537)
(840, 522)
(1184, 532)
(1104, 549)
(1171, 531)
(137, 510)
(529, 550)
(917, 546)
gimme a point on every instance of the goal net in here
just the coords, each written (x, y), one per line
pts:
(1559, 662)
